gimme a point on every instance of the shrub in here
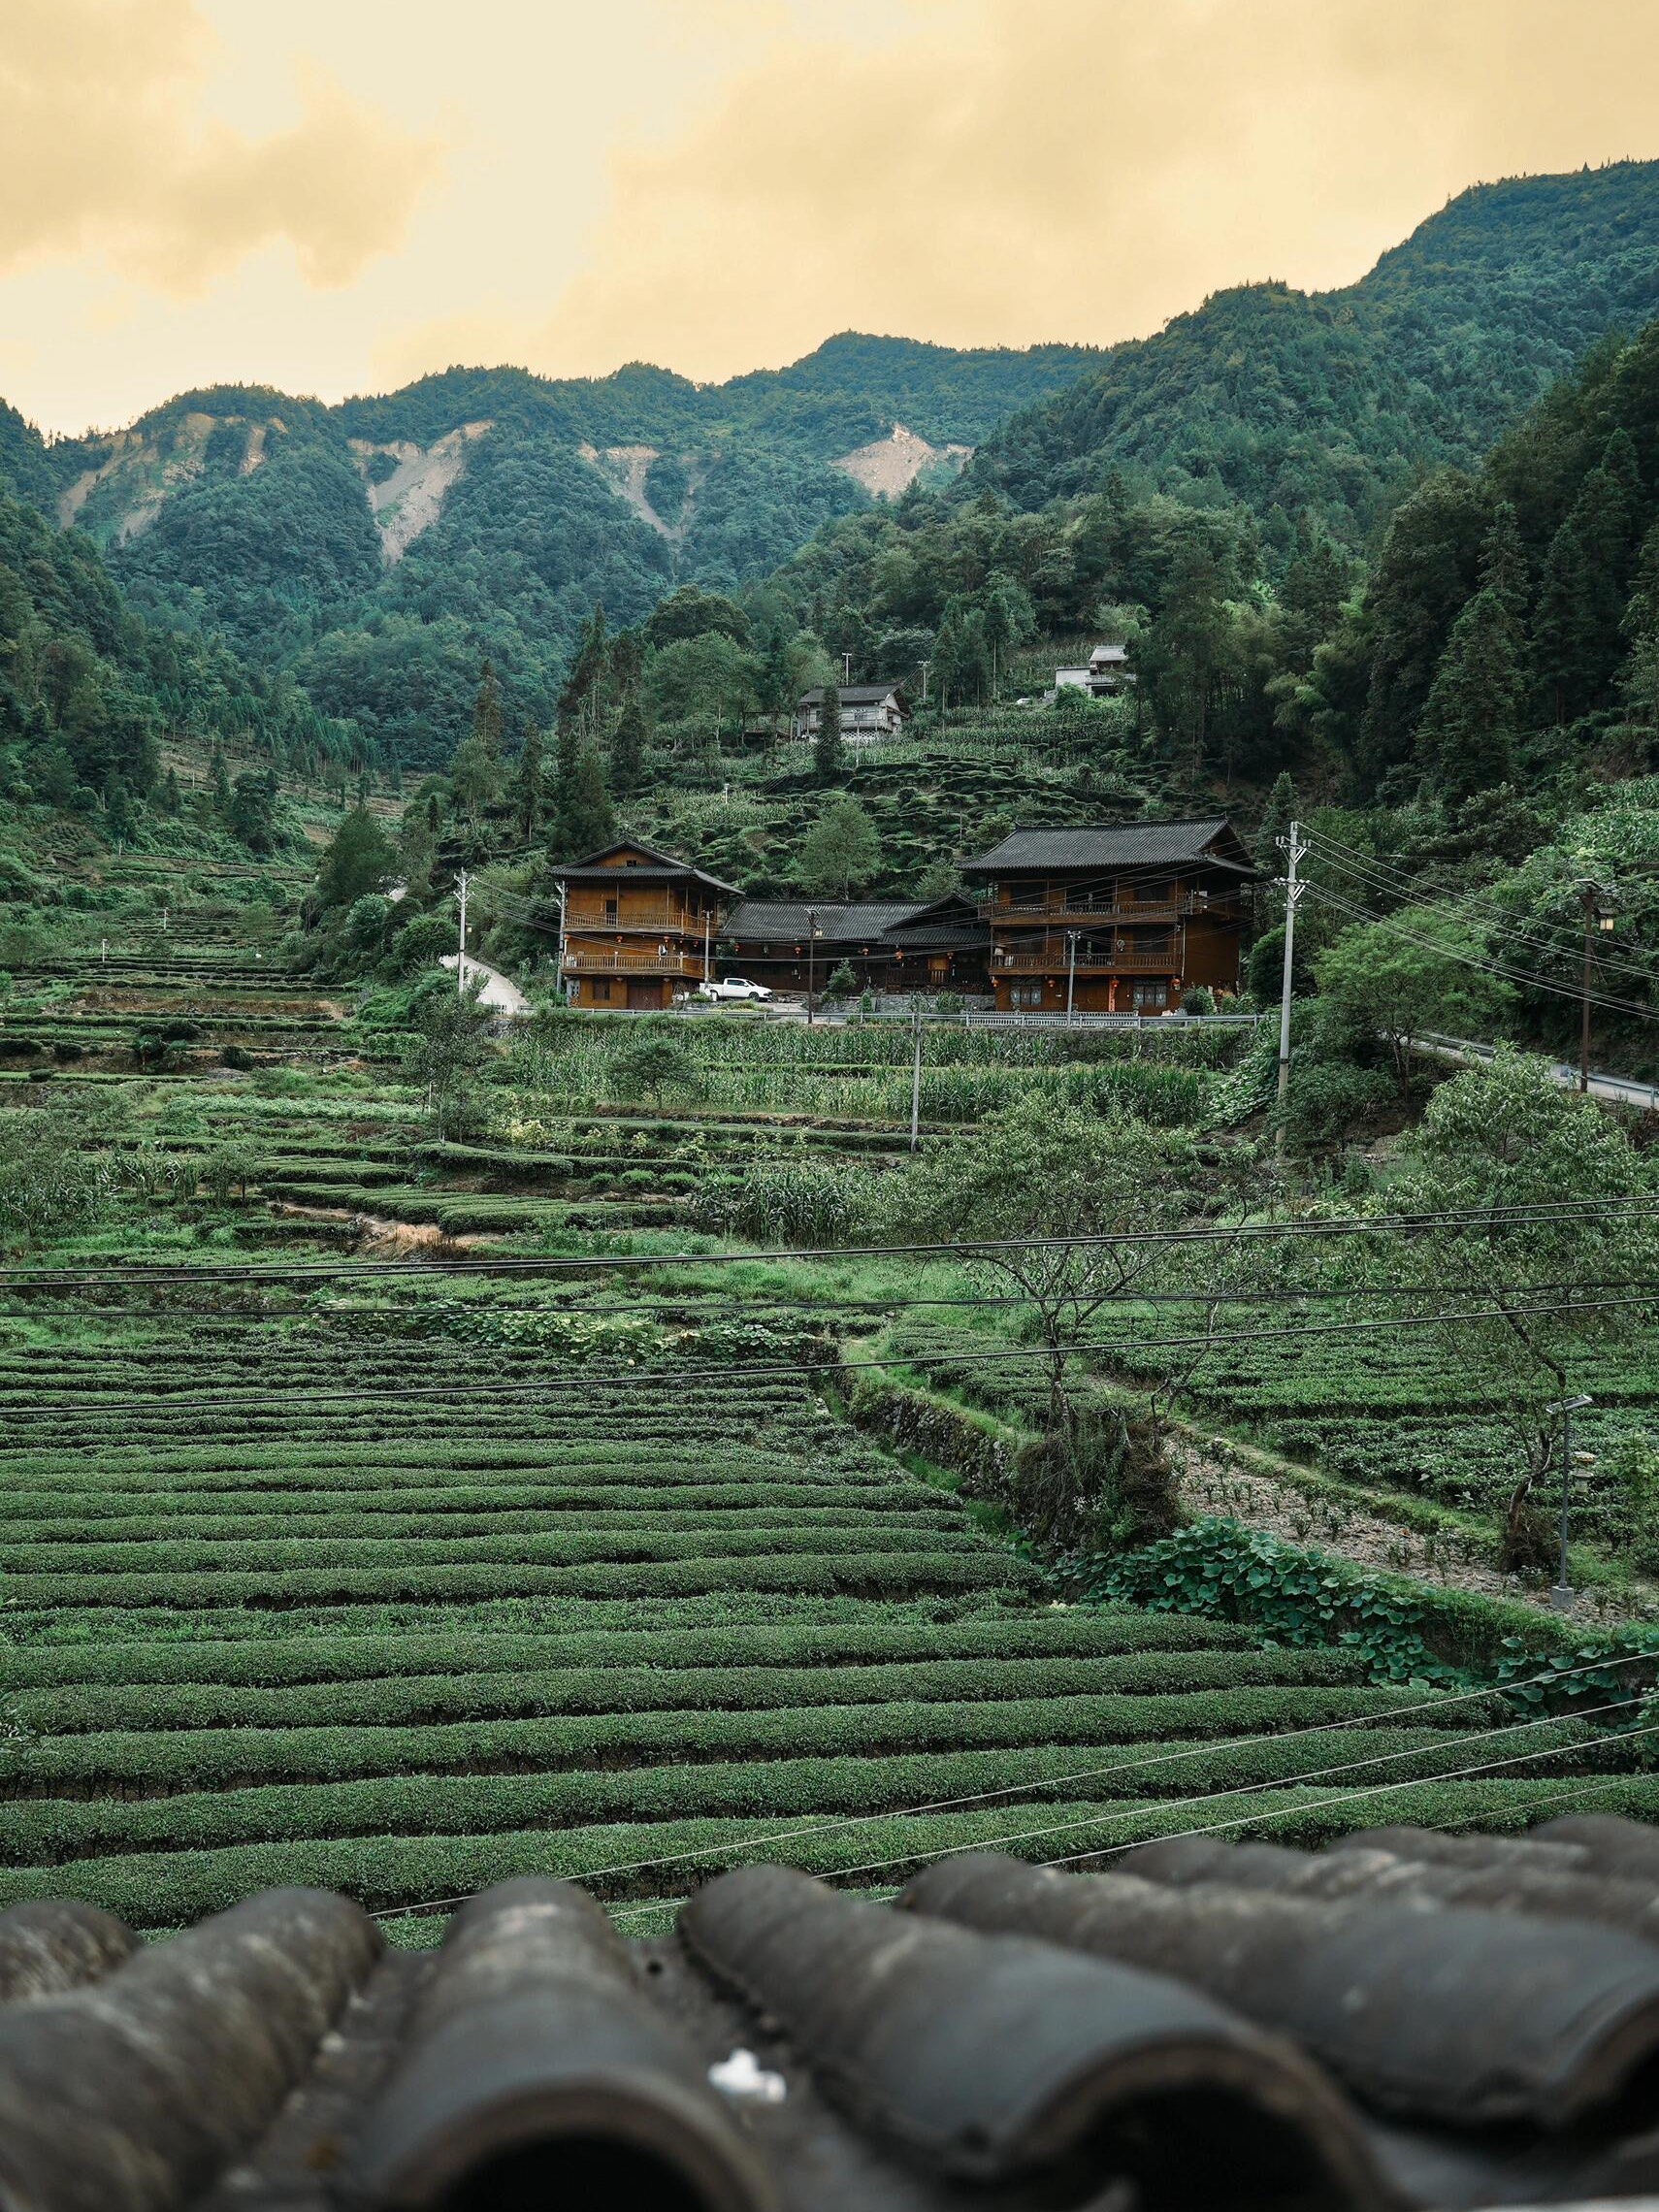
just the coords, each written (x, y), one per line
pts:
(238, 1057)
(1198, 999)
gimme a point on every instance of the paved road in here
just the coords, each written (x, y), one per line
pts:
(1623, 1089)
(500, 994)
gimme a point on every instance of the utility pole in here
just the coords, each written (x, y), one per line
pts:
(811, 962)
(1294, 850)
(1599, 907)
(1561, 1597)
(558, 956)
(707, 920)
(926, 665)
(846, 668)
(1070, 973)
(461, 948)
(916, 1075)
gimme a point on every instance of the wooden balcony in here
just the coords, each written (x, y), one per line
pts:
(1122, 958)
(634, 910)
(672, 960)
(1061, 906)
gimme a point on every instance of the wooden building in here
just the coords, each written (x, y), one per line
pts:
(1119, 918)
(797, 945)
(870, 712)
(1106, 672)
(640, 927)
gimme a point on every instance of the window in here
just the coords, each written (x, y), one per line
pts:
(611, 908)
(1025, 996)
(601, 990)
(1151, 997)
(1155, 894)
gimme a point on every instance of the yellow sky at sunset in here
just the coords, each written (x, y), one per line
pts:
(335, 195)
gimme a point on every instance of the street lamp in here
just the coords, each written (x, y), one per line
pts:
(1600, 903)
(1561, 1597)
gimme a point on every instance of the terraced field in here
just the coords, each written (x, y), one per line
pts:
(405, 1617)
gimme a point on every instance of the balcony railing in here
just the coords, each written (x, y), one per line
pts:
(1057, 906)
(582, 960)
(632, 912)
(1124, 957)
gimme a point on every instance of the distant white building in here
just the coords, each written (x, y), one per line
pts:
(868, 712)
(1108, 670)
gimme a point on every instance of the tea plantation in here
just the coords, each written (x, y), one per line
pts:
(293, 1594)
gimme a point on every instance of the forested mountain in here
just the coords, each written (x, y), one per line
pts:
(379, 549)
(1333, 403)
(1247, 457)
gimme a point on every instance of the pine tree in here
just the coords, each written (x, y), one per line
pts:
(579, 700)
(221, 784)
(628, 747)
(1638, 677)
(590, 823)
(171, 800)
(475, 774)
(529, 796)
(829, 755)
(1470, 720)
(1575, 637)
(566, 755)
(1503, 561)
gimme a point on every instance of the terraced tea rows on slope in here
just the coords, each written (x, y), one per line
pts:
(534, 1615)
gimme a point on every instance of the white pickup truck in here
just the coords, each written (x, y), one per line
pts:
(727, 988)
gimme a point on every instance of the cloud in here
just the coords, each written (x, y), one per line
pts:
(1005, 171)
(105, 152)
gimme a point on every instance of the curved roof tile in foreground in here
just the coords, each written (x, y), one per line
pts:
(1405, 2019)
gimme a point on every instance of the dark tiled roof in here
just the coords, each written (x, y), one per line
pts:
(658, 867)
(1107, 845)
(1404, 2019)
(767, 922)
(851, 695)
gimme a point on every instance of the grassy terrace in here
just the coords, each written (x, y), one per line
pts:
(630, 1623)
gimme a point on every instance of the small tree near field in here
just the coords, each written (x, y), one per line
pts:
(1401, 979)
(1076, 1186)
(1502, 1148)
(651, 1064)
(359, 859)
(841, 849)
(451, 1044)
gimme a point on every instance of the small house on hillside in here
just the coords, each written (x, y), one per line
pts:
(639, 926)
(870, 712)
(1106, 672)
(1123, 918)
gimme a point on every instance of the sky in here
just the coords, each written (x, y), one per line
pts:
(335, 196)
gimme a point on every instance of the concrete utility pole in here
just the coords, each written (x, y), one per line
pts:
(846, 668)
(461, 949)
(1295, 851)
(707, 921)
(1599, 904)
(811, 962)
(916, 1075)
(1070, 972)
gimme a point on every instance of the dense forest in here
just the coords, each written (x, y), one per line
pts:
(380, 550)
(89, 692)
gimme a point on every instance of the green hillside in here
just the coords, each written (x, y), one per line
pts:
(1336, 401)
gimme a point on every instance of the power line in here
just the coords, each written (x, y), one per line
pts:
(898, 1357)
(1482, 1218)
(1380, 883)
(1251, 1789)
(1440, 1702)
(1488, 967)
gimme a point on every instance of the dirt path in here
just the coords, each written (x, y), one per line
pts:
(1221, 1481)
(379, 1234)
